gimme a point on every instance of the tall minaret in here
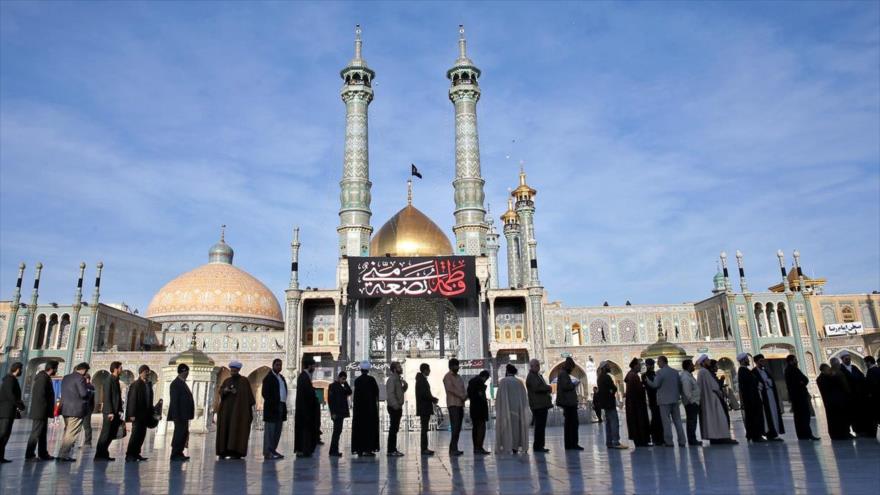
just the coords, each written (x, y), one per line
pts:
(293, 297)
(525, 210)
(13, 316)
(354, 212)
(470, 216)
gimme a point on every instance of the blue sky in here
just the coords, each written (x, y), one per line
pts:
(656, 134)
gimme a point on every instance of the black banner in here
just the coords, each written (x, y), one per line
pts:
(445, 276)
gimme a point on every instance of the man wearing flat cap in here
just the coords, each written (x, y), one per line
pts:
(235, 414)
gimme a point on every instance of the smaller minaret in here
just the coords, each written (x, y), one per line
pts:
(781, 256)
(16, 298)
(492, 247)
(514, 245)
(742, 272)
(77, 296)
(718, 281)
(294, 260)
(13, 316)
(727, 285)
(800, 272)
(97, 294)
(36, 292)
(525, 209)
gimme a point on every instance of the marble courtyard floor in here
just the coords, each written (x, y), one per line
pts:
(845, 467)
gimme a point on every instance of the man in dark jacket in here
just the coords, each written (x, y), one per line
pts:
(181, 410)
(567, 399)
(540, 402)
(274, 410)
(872, 384)
(305, 429)
(87, 419)
(74, 406)
(111, 413)
(138, 410)
(861, 414)
(424, 404)
(42, 409)
(337, 402)
(476, 392)
(797, 382)
(607, 398)
(750, 400)
(653, 406)
(10, 406)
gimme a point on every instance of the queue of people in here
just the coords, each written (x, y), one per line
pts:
(653, 399)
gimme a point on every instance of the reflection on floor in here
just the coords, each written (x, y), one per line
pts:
(794, 466)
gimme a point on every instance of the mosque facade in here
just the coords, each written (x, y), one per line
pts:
(409, 293)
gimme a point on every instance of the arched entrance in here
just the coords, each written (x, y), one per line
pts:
(222, 375)
(583, 389)
(856, 358)
(775, 355)
(35, 366)
(616, 373)
(413, 327)
(256, 381)
(98, 380)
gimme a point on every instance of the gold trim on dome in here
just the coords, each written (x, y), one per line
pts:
(410, 233)
(216, 289)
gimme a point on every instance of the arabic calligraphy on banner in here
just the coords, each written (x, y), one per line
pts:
(446, 276)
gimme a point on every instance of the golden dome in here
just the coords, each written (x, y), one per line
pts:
(509, 216)
(217, 288)
(410, 233)
(523, 191)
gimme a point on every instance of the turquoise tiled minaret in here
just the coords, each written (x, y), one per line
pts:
(470, 215)
(354, 213)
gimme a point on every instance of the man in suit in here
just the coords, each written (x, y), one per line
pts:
(872, 384)
(42, 409)
(424, 404)
(337, 402)
(87, 419)
(274, 410)
(10, 406)
(690, 394)
(861, 415)
(394, 390)
(74, 406)
(567, 399)
(796, 383)
(476, 392)
(138, 410)
(111, 413)
(668, 386)
(540, 402)
(181, 410)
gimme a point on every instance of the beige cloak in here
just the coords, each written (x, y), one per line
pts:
(512, 416)
(713, 419)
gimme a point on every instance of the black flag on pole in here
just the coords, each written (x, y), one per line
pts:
(414, 171)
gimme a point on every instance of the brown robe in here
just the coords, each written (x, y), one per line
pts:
(234, 417)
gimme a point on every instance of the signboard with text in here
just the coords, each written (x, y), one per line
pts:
(839, 329)
(445, 276)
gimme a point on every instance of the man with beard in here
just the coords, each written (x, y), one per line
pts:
(770, 399)
(750, 398)
(656, 424)
(274, 392)
(425, 403)
(714, 422)
(138, 410)
(42, 409)
(235, 415)
(337, 401)
(797, 382)
(111, 412)
(861, 415)
(637, 423)
(365, 412)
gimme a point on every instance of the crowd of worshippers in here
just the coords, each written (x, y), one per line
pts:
(652, 403)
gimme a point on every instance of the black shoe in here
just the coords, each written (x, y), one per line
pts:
(179, 458)
(65, 459)
(335, 454)
(427, 452)
(107, 459)
(576, 447)
(141, 458)
(455, 453)
(303, 456)
(774, 439)
(131, 459)
(320, 442)
(482, 452)
(366, 454)
(5, 461)
(542, 451)
(814, 438)
(396, 453)
(47, 457)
